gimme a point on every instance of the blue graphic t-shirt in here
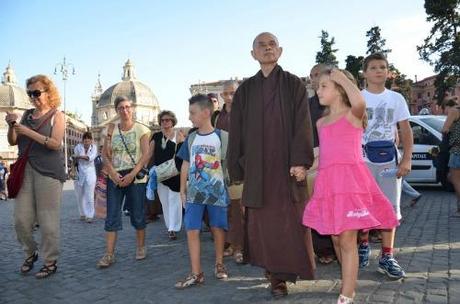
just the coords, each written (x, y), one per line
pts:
(205, 178)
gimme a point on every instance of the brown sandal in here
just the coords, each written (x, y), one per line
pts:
(46, 270)
(29, 263)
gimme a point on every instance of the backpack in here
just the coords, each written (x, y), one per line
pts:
(223, 136)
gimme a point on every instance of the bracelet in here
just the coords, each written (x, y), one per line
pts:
(46, 141)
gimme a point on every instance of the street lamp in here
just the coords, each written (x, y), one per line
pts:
(64, 68)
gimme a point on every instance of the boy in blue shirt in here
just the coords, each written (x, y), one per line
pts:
(203, 154)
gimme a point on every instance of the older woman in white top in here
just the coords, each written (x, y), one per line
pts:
(84, 154)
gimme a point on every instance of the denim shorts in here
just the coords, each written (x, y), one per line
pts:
(194, 216)
(454, 161)
(134, 195)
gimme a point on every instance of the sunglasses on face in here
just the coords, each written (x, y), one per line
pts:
(35, 93)
(165, 119)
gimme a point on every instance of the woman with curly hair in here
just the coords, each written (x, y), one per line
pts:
(40, 132)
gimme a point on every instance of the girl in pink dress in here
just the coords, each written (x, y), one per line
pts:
(346, 197)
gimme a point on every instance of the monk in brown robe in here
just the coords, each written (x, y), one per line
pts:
(270, 149)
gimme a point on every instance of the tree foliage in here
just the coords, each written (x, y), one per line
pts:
(376, 44)
(354, 65)
(327, 54)
(442, 46)
(399, 82)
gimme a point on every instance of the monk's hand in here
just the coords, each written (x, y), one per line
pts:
(299, 172)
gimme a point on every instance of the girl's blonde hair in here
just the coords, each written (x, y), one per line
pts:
(54, 100)
(327, 71)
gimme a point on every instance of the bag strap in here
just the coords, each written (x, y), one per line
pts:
(26, 152)
(126, 146)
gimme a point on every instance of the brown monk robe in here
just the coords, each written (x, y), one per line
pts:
(270, 148)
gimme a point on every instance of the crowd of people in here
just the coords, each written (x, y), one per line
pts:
(263, 173)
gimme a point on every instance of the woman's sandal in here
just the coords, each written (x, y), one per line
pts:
(46, 271)
(29, 263)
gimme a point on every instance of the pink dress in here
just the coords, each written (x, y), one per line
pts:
(345, 195)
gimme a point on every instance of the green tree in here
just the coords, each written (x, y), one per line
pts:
(442, 46)
(399, 82)
(376, 44)
(354, 65)
(327, 53)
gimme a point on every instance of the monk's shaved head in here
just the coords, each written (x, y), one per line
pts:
(263, 34)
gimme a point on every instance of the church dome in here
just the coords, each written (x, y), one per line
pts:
(11, 95)
(137, 91)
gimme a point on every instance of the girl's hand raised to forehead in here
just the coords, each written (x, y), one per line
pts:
(338, 76)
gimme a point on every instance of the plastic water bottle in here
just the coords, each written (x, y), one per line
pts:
(389, 172)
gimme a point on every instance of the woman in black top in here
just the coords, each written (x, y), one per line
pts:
(163, 147)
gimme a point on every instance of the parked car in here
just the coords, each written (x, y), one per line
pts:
(427, 138)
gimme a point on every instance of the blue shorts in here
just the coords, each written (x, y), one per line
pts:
(454, 161)
(134, 195)
(194, 216)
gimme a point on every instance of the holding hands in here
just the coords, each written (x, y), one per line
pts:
(299, 172)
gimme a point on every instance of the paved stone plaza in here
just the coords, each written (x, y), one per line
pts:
(428, 242)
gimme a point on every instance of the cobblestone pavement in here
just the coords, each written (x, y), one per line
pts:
(428, 242)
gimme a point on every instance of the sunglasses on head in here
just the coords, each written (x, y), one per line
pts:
(35, 93)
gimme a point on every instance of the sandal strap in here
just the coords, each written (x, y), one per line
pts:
(30, 260)
(48, 269)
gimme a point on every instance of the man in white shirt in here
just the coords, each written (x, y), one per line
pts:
(84, 154)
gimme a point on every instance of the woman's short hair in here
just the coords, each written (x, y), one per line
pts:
(167, 113)
(87, 135)
(120, 99)
(54, 100)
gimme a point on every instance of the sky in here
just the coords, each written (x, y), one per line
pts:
(174, 44)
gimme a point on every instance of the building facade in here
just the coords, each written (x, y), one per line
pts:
(13, 98)
(424, 95)
(145, 103)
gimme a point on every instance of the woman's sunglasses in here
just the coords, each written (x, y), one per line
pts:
(35, 93)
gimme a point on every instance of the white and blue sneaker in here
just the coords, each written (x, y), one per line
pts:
(364, 251)
(389, 266)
